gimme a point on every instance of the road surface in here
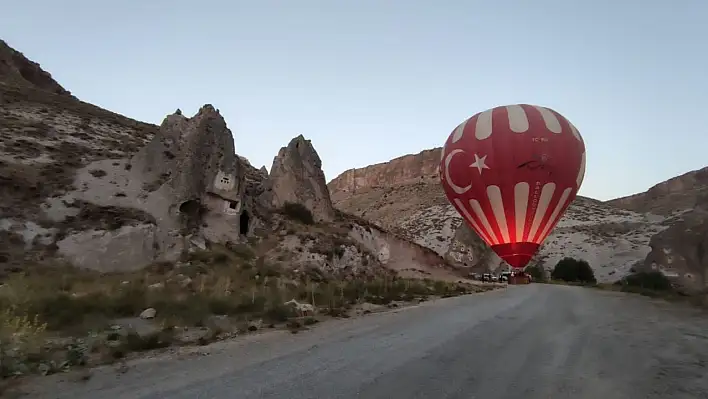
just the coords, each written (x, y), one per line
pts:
(535, 341)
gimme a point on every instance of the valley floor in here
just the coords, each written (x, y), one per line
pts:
(535, 341)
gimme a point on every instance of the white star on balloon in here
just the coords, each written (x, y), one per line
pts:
(479, 163)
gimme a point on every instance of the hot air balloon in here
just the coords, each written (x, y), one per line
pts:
(511, 172)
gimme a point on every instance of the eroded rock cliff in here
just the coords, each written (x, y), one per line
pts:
(297, 177)
(406, 169)
(413, 204)
(677, 194)
(107, 193)
(16, 69)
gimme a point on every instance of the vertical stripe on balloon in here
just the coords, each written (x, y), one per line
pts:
(550, 119)
(541, 209)
(485, 222)
(483, 127)
(494, 227)
(521, 202)
(562, 203)
(459, 132)
(581, 171)
(463, 209)
(497, 202)
(518, 121)
(574, 130)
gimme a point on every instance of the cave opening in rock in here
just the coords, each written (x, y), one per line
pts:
(190, 207)
(191, 213)
(243, 222)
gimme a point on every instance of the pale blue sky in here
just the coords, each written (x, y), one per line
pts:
(370, 80)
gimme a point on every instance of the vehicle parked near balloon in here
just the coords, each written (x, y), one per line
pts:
(511, 172)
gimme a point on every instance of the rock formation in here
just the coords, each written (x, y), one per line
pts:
(104, 192)
(683, 192)
(412, 204)
(46, 136)
(296, 176)
(16, 69)
(191, 163)
(110, 193)
(187, 179)
(405, 169)
(680, 253)
(678, 249)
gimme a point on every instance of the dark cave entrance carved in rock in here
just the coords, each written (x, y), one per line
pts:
(243, 223)
(191, 212)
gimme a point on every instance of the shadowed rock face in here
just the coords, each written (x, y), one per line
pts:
(46, 135)
(406, 169)
(297, 177)
(108, 192)
(681, 252)
(680, 193)
(193, 159)
(16, 69)
(187, 179)
(404, 195)
(105, 192)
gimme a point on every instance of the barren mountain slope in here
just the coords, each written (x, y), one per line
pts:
(164, 235)
(679, 250)
(106, 192)
(414, 205)
(677, 194)
(17, 70)
(45, 136)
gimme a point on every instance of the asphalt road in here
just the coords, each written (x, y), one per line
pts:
(536, 341)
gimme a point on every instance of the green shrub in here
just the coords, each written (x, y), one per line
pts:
(537, 272)
(137, 343)
(279, 312)
(653, 280)
(573, 270)
(298, 212)
(243, 251)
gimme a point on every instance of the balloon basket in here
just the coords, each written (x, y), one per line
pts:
(519, 279)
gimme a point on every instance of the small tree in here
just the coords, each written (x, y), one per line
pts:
(653, 280)
(585, 272)
(573, 270)
(299, 212)
(537, 272)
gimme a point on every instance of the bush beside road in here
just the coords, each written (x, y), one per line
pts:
(62, 318)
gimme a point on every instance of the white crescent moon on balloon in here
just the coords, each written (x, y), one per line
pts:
(457, 189)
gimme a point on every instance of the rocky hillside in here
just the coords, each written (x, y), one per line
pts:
(406, 169)
(17, 70)
(687, 191)
(148, 236)
(46, 136)
(412, 203)
(108, 193)
(83, 184)
(679, 250)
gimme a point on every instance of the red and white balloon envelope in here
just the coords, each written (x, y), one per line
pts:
(511, 172)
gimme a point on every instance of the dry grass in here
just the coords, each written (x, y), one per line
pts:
(13, 95)
(29, 130)
(667, 295)
(60, 301)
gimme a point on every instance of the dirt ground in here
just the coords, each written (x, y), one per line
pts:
(534, 341)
